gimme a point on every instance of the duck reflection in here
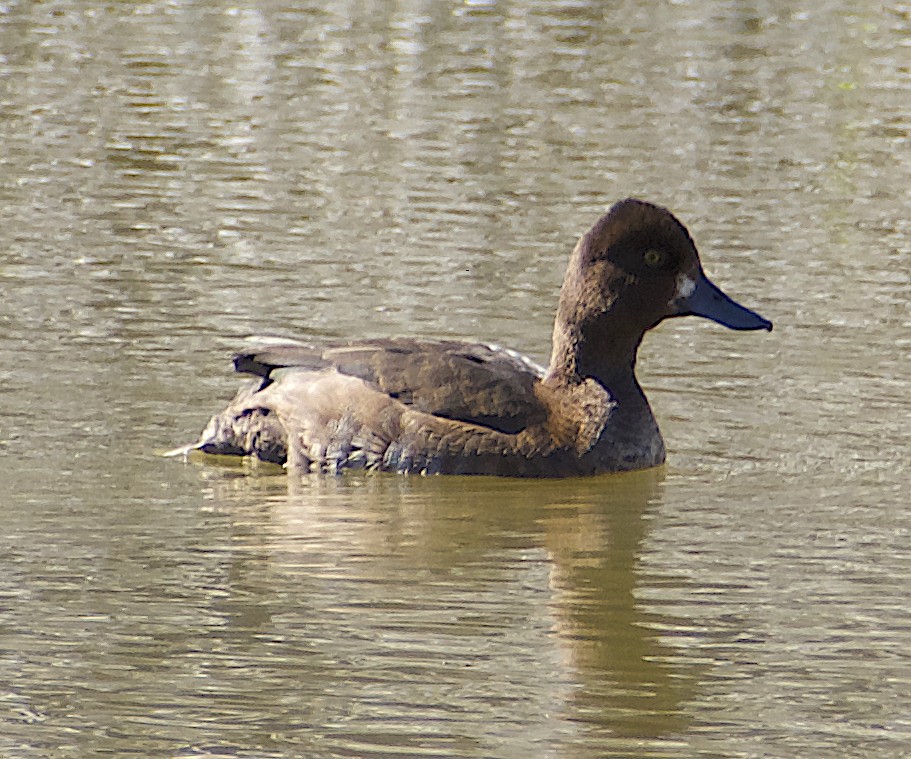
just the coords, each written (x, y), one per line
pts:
(627, 685)
(481, 588)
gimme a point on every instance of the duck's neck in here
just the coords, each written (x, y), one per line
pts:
(595, 350)
(590, 339)
(628, 437)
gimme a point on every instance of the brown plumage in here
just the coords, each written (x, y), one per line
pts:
(450, 407)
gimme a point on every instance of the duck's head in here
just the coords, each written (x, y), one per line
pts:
(634, 268)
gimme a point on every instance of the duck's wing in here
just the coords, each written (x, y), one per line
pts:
(478, 384)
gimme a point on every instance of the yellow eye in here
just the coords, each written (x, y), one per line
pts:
(653, 257)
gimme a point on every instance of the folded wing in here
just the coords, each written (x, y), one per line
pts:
(477, 384)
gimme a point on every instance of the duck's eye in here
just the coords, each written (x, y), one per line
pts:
(653, 258)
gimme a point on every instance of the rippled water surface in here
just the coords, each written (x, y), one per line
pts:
(175, 175)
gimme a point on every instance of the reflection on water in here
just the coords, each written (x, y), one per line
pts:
(455, 617)
(175, 175)
(442, 600)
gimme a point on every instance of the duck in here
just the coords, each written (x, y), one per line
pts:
(412, 406)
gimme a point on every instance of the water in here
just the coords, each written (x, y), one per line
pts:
(177, 175)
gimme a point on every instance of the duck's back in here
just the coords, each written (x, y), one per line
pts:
(394, 405)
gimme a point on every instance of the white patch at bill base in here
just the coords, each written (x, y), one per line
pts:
(686, 286)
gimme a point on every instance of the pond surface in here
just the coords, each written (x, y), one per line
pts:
(176, 175)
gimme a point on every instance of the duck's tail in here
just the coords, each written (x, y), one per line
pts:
(184, 451)
(244, 428)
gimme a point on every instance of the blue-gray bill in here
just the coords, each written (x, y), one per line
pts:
(707, 300)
